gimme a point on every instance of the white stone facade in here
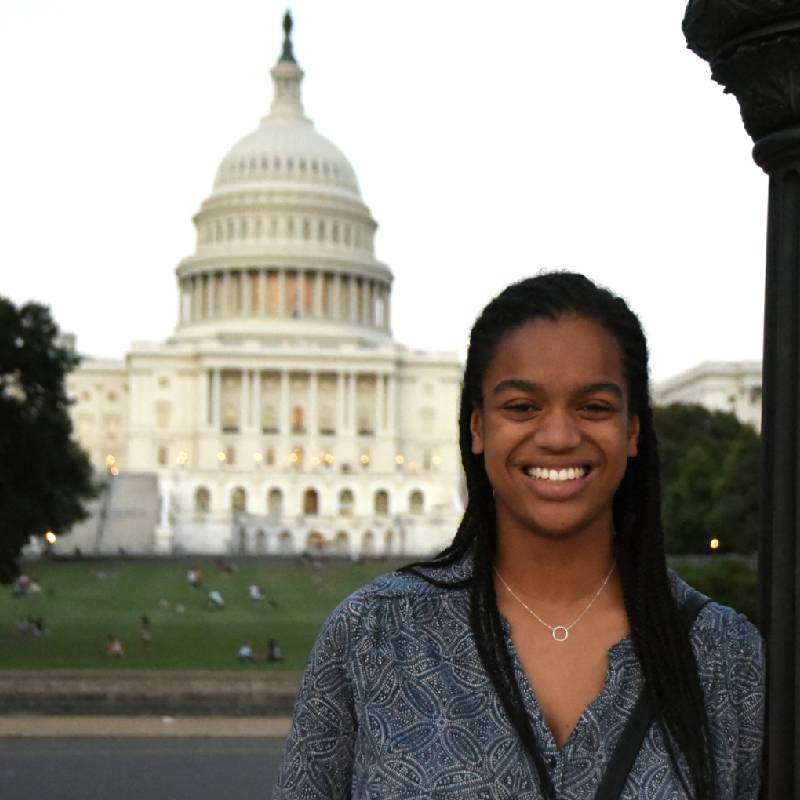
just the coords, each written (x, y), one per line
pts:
(282, 416)
(733, 386)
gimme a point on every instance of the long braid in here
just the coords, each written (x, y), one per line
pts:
(659, 638)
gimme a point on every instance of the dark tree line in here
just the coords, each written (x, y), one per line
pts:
(710, 472)
(44, 475)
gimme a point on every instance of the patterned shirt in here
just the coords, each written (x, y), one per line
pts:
(396, 705)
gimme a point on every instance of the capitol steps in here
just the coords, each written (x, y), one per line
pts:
(131, 515)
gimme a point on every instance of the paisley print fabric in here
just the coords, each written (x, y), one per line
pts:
(395, 705)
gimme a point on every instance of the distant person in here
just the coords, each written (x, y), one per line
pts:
(215, 599)
(194, 578)
(548, 652)
(245, 652)
(114, 647)
(255, 593)
(274, 651)
(145, 631)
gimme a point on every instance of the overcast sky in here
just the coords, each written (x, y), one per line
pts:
(491, 140)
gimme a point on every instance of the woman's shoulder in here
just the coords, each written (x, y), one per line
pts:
(403, 589)
(719, 632)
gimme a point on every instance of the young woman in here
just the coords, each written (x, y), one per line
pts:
(548, 652)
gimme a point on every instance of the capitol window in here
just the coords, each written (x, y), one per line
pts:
(238, 499)
(381, 503)
(275, 504)
(416, 502)
(202, 499)
(311, 502)
(346, 502)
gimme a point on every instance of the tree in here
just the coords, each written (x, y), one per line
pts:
(710, 467)
(44, 474)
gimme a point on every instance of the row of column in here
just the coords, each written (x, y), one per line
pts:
(285, 293)
(346, 404)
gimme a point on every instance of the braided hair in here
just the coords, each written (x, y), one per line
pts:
(659, 636)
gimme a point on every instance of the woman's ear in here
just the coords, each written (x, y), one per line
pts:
(633, 435)
(476, 429)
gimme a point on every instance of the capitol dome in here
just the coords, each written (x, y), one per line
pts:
(284, 235)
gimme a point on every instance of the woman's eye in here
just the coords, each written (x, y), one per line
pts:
(521, 408)
(597, 408)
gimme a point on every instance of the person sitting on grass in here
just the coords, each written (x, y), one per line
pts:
(245, 652)
(114, 646)
(215, 599)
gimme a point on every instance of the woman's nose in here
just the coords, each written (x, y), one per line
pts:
(557, 429)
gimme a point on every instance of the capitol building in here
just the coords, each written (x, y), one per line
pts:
(281, 416)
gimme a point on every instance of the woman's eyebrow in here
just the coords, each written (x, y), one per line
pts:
(522, 385)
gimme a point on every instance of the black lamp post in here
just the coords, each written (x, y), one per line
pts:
(753, 47)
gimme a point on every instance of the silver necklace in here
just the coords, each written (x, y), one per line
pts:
(560, 632)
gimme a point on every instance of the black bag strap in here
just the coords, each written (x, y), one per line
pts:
(641, 718)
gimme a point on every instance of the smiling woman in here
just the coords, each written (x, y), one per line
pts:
(548, 652)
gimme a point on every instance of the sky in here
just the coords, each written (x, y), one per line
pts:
(490, 140)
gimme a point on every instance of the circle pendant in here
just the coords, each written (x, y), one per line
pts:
(560, 633)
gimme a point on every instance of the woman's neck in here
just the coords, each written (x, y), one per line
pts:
(555, 570)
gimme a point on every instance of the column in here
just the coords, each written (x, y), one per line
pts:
(300, 294)
(244, 403)
(226, 304)
(391, 404)
(353, 294)
(262, 292)
(336, 297)
(313, 404)
(380, 404)
(205, 404)
(352, 415)
(284, 409)
(751, 61)
(247, 295)
(387, 307)
(369, 308)
(209, 289)
(341, 419)
(255, 405)
(216, 399)
(319, 279)
(281, 292)
(197, 302)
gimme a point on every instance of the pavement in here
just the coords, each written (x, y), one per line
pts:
(33, 726)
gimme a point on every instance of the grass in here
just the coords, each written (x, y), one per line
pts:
(82, 602)
(85, 601)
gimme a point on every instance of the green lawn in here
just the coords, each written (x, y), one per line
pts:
(83, 602)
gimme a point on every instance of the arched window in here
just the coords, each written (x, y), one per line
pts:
(342, 542)
(298, 425)
(416, 502)
(238, 499)
(368, 543)
(285, 543)
(315, 541)
(275, 504)
(381, 503)
(202, 499)
(388, 542)
(346, 503)
(261, 542)
(310, 502)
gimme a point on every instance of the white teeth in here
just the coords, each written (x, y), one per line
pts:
(566, 474)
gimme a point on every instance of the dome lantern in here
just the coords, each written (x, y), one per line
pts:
(287, 77)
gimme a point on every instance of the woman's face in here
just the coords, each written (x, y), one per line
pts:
(554, 429)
